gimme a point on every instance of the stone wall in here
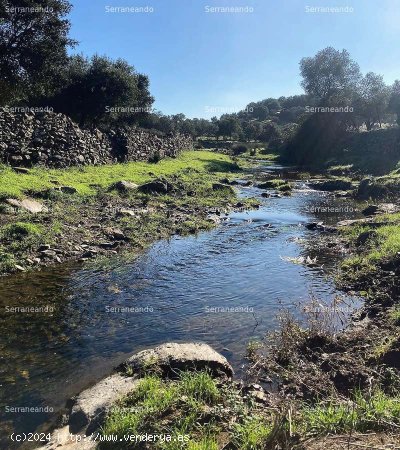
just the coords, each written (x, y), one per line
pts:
(54, 140)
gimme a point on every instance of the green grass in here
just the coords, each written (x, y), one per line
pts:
(381, 348)
(261, 154)
(191, 407)
(251, 434)
(384, 242)
(364, 413)
(191, 176)
(20, 230)
(394, 315)
(383, 245)
(87, 178)
(191, 410)
(200, 387)
(207, 443)
(384, 187)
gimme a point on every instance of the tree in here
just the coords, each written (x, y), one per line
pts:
(270, 132)
(187, 127)
(373, 99)
(331, 76)
(257, 111)
(291, 115)
(228, 125)
(33, 48)
(251, 130)
(102, 92)
(394, 101)
(271, 104)
(296, 101)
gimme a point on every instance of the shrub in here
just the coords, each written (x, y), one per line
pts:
(238, 149)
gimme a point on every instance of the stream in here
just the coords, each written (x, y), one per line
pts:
(179, 290)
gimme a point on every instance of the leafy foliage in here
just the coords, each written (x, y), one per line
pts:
(33, 48)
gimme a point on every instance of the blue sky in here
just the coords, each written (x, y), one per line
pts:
(197, 61)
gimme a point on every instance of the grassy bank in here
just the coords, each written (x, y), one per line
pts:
(375, 255)
(384, 187)
(201, 413)
(93, 218)
(88, 179)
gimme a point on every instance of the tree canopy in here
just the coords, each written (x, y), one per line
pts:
(33, 47)
(102, 92)
(331, 76)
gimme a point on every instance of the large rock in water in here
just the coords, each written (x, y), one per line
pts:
(174, 357)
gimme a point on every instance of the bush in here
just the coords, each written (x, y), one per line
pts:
(238, 149)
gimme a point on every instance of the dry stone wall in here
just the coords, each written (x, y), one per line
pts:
(53, 140)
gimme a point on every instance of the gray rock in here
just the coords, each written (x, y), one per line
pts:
(49, 253)
(364, 237)
(155, 187)
(124, 186)
(174, 357)
(332, 185)
(383, 208)
(61, 439)
(370, 210)
(221, 187)
(27, 204)
(116, 233)
(126, 213)
(54, 140)
(91, 406)
(109, 245)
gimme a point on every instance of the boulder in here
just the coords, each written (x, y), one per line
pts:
(115, 233)
(88, 410)
(173, 357)
(27, 204)
(266, 185)
(61, 439)
(383, 208)
(364, 237)
(370, 210)
(126, 213)
(124, 186)
(90, 407)
(332, 185)
(155, 187)
(319, 226)
(221, 187)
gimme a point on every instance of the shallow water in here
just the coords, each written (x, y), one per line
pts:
(48, 357)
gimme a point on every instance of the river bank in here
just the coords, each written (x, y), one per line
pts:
(49, 217)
